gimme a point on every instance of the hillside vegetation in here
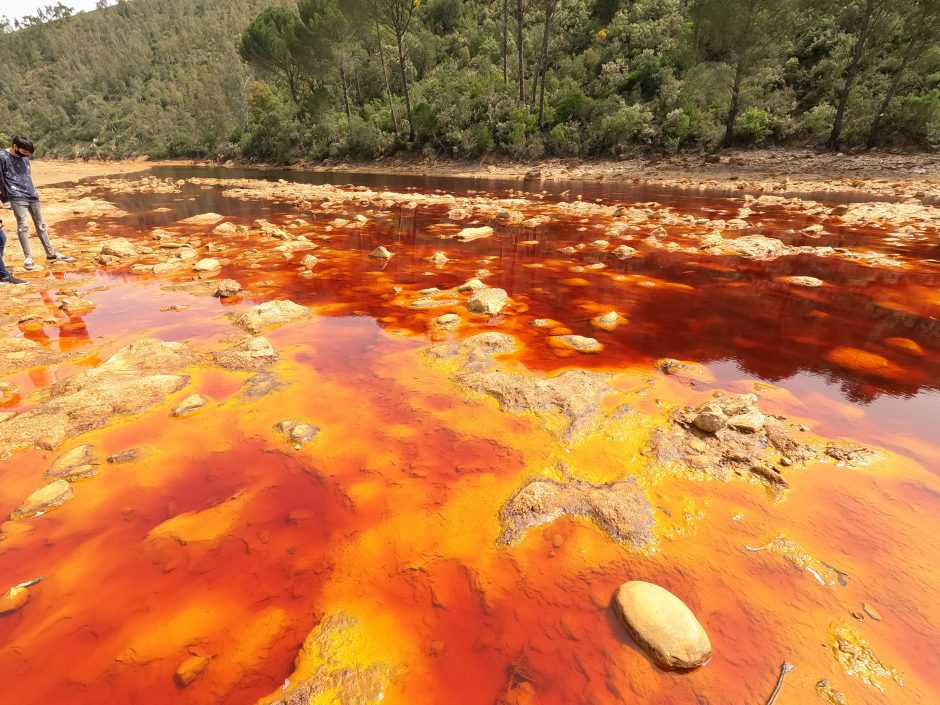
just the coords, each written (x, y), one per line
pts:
(527, 78)
(153, 77)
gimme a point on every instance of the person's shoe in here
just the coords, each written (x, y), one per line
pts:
(58, 257)
(28, 264)
(12, 280)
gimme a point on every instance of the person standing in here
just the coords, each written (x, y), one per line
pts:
(16, 186)
(6, 276)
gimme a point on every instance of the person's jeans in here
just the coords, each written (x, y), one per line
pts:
(4, 272)
(22, 209)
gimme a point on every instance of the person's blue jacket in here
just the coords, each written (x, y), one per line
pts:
(16, 180)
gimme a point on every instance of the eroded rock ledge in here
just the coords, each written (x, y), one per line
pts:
(620, 509)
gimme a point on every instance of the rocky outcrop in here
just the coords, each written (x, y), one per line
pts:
(662, 625)
(620, 509)
(728, 435)
(571, 400)
(135, 378)
(339, 662)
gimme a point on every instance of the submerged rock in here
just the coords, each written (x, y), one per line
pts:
(125, 456)
(663, 626)
(339, 662)
(14, 599)
(471, 234)
(76, 464)
(577, 343)
(269, 314)
(44, 499)
(620, 509)
(607, 321)
(190, 405)
(297, 432)
(801, 281)
(856, 657)
(190, 670)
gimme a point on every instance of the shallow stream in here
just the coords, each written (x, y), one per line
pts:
(224, 541)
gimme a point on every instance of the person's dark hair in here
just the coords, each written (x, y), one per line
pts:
(24, 143)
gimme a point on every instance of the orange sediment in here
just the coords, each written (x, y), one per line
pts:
(222, 548)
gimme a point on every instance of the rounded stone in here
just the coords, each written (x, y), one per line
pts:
(662, 625)
(710, 421)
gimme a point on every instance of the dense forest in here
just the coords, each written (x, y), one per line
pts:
(308, 79)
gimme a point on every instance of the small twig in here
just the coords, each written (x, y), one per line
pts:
(30, 583)
(785, 668)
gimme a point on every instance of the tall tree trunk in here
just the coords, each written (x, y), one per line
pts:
(857, 51)
(505, 42)
(345, 81)
(388, 85)
(520, 53)
(543, 59)
(404, 81)
(892, 91)
(735, 107)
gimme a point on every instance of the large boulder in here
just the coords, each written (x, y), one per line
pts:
(662, 625)
(487, 302)
(118, 247)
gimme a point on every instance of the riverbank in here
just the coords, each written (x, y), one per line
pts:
(47, 172)
(882, 175)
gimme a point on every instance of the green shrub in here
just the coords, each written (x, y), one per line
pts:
(753, 126)
(628, 127)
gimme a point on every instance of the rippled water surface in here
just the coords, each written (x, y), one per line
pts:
(224, 541)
